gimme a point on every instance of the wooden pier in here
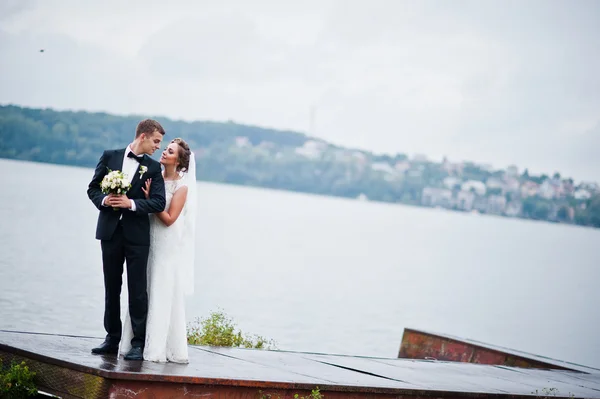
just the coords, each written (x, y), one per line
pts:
(66, 368)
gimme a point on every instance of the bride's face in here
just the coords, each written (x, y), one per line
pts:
(170, 155)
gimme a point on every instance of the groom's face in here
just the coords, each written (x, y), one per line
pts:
(151, 142)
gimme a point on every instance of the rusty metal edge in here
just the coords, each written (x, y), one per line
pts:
(510, 352)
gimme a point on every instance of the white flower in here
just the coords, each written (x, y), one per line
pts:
(115, 182)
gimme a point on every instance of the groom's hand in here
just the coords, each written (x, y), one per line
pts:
(106, 201)
(119, 201)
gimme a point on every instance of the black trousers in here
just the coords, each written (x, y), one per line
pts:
(115, 252)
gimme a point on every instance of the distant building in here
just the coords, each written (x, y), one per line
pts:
(529, 189)
(547, 190)
(568, 187)
(571, 214)
(342, 155)
(582, 194)
(383, 167)
(450, 182)
(267, 145)
(402, 166)
(480, 204)
(360, 157)
(311, 149)
(559, 189)
(242, 142)
(592, 187)
(513, 208)
(414, 173)
(512, 185)
(453, 168)
(486, 167)
(464, 200)
(494, 183)
(474, 185)
(496, 204)
(362, 197)
(432, 196)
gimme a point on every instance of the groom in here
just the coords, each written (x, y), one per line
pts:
(124, 234)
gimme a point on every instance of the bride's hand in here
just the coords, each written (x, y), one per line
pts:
(147, 189)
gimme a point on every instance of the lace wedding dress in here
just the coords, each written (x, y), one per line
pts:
(170, 277)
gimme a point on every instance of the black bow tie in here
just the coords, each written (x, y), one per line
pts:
(137, 158)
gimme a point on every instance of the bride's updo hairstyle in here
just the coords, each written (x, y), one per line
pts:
(183, 155)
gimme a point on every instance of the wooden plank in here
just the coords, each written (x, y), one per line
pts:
(66, 365)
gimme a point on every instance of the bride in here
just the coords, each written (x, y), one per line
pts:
(170, 261)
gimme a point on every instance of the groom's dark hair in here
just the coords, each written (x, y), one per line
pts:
(148, 126)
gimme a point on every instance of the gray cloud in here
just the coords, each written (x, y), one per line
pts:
(213, 46)
(9, 9)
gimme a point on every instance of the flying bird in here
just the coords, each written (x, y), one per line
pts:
(42, 50)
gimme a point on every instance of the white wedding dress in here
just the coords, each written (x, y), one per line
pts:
(170, 278)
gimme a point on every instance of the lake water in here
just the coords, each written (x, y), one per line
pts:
(315, 273)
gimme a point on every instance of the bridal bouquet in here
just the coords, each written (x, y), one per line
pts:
(115, 182)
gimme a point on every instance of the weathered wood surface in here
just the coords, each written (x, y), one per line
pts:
(66, 367)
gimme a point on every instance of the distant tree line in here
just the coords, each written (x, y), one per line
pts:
(264, 158)
(78, 138)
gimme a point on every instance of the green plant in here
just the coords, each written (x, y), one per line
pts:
(17, 382)
(547, 393)
(314, 394)
(219, 330)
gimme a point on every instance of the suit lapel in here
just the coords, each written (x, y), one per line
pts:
(117, 161)
(136, 177)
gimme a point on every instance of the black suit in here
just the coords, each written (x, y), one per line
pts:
(125, 235)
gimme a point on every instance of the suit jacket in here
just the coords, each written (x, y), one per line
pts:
(136, 225)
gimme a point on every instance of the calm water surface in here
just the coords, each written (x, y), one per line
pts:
(315, 273)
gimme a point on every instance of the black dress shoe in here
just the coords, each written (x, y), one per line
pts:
(106, 348)
(136, 353)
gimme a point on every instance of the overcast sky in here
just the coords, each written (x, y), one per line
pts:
(496, 82)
